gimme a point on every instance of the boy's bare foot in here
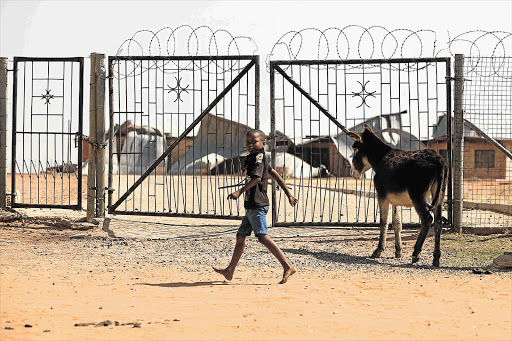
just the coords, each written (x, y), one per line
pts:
(224, 272)
(287, 273)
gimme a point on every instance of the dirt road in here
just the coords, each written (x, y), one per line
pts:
(65, 284)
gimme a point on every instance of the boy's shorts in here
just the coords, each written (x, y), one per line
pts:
(255, 220)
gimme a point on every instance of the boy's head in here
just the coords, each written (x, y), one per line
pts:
(254, 140)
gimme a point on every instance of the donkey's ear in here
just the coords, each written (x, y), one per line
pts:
(354, 136)
(367, 127)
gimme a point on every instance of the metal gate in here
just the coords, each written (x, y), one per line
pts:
(177, 133)
(407, 102)
(46, 168)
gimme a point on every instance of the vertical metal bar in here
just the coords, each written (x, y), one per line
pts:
(449, 138)
(458, 140)
(257, 92)
(141, 150)
(23, 128)
(62, 139)
(195, 184)
(3, 132)
(127, 155)
(13, 137)
(80, 130)
(47, 139)
(111, 129)
(273, 134)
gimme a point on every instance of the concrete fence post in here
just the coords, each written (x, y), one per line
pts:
(100, 72)
(3, 132)
(458, 144)
(96, 173)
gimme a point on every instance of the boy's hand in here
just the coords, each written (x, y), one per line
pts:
(235, 195)
(293, 200)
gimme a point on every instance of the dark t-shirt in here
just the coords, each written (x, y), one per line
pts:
(257, 166)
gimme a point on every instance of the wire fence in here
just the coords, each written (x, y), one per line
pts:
(487, 170)
(487, 91)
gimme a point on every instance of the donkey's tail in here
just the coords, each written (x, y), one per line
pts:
(441, 187)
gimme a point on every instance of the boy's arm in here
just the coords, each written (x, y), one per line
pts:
(236, 194)
(280, 182)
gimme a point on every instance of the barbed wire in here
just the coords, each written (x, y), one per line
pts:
(479, 45)
(352, 42)
(184, 40)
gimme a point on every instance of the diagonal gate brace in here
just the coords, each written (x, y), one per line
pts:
(314, 101)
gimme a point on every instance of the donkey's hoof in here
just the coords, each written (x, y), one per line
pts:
(436, 262)
(415, 259)
(376, 253)
(398, 254)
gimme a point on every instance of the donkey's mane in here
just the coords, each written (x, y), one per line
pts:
(379, 148)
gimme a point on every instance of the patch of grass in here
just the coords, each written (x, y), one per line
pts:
(469, 250)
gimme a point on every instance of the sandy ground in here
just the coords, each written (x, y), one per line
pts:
(70, 288)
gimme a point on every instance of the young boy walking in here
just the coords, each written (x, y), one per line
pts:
(256, 205)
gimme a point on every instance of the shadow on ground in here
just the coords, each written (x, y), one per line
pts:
(353, 259)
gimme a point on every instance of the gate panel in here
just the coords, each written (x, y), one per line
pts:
(47, 133)
(405, 101)
(178, 129)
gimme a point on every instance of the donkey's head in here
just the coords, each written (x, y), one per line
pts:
(366, 145)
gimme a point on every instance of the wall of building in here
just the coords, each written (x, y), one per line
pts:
(475, 168)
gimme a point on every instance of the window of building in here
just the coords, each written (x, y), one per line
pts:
(484, 158)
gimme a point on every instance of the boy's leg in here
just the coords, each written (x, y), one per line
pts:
(237, 254)
(289, 269)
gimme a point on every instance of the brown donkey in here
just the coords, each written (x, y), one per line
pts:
(402, 178)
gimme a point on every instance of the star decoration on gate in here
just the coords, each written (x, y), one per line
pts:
(47, 97)
(363, 94)
(178, 89)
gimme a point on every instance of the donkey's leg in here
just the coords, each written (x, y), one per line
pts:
(437, 229)
(421, 208)
(397, 227)
(384, 210)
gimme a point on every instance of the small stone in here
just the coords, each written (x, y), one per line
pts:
(105, 323)
(77, 236)
(136, 325)
(46, 331)
(9, 328)
(28, 326)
